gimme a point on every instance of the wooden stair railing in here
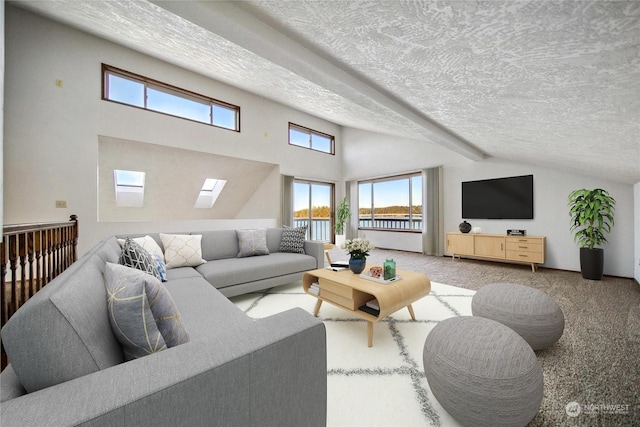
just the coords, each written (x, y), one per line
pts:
(31, 255)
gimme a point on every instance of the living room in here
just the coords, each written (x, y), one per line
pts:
(62, 149)
(55, 122)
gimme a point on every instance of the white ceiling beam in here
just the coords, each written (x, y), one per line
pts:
(233, 23)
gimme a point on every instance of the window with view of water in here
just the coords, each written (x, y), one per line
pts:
(393, 203)
(141, 92)
(312, 206)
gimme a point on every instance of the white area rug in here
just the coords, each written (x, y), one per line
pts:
(383, 385)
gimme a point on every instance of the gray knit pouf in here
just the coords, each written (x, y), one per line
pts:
(528, 311)
(482, 372)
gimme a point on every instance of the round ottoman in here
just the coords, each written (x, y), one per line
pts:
(528, 311)
(482, 372)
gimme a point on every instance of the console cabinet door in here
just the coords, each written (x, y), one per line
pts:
(490, 246)
(460, 244)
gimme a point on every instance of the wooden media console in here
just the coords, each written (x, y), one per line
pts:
(497, 247)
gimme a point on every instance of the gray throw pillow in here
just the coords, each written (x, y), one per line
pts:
(142, 314)
(293, 239)
(252, 242)
(135, 256)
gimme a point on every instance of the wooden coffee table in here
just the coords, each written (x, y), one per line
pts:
(349, 291)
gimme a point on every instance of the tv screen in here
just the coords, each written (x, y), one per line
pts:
(501, 198)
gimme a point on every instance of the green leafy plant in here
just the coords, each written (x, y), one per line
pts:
(591, 213)
(342, 215)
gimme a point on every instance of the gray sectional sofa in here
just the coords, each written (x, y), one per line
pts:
(67, 367)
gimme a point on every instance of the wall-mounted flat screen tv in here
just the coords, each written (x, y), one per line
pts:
(501, 198)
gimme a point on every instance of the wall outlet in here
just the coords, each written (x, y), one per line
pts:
(61, 203)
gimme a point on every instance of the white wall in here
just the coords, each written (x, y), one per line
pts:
(369, 155)
(551, 217)
(51, 133)
(636, 260)
(2, 49)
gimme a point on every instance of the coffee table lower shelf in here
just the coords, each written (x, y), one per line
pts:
(349, 292)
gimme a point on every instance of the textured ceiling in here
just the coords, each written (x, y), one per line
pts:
(555, 83)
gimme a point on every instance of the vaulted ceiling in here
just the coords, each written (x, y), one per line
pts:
(553, 83)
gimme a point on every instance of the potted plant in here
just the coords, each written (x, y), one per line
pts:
(358, 250)
(591, 214)
(342, 216)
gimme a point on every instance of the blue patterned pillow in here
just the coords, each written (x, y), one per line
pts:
(161, 267)
(142, 314)
(293, 239)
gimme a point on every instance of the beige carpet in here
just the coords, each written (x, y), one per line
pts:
(596, 363)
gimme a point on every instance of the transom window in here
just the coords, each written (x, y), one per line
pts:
(309, 138)
(393, 203)
(141, 92)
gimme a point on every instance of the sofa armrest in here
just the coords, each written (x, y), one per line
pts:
(315, 249)
(272, 371)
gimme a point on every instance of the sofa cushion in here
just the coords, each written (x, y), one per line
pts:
(252, 242)
(205, 311)
(292, 239)
(71, 309)
(182, 273)
(218, 244)
(274, 237)
(143, 316)
(182, 250)
(232, 271)
(135, 256)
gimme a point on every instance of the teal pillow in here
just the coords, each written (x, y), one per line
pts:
(142, 314)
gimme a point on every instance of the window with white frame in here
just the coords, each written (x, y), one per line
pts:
(129, 187)
(392, 203)
(209, 193)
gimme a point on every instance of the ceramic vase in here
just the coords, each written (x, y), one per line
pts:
(357, 265)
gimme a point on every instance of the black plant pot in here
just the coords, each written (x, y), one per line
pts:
(592, 263)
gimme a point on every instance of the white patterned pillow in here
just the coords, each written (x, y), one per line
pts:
(252, 242)
(293, 239)
(182, 250)
(148, 243)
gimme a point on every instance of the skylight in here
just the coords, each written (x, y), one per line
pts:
(209, 193)
(129, 188)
